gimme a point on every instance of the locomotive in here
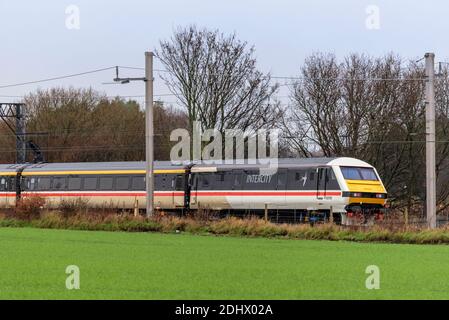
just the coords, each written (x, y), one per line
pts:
(347, 190)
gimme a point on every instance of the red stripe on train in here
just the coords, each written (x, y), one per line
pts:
(170, 194)
(101, 194)
(266, 193)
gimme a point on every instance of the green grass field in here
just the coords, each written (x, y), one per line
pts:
(115, 265)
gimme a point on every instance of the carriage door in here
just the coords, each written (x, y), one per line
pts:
(237, 199)
(321, 182)
(178, 190)
(194, 189)
(281, 187)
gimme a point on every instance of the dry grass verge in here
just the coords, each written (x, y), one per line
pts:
(229, 226)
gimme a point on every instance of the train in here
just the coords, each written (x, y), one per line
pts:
(343, 189)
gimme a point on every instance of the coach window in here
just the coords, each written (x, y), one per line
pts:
(122, 183)
(59, 183)
(74, 183)
(31, 183)
(106, 183)
(90, 183)
(43, 183)
(158, 181)
(161, 181)
(179, 183)
(3, 185)
(138, 183)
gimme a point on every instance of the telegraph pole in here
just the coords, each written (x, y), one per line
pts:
(149, 132)
(430, 142)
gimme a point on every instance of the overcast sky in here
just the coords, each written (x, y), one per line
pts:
(36, 42)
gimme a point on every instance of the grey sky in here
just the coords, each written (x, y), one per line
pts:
(35, 42)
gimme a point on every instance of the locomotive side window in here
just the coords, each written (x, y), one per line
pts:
(205, 180)
(237, 183)
(298, 180)
(224, 180)
(106, 183)
(281, 180)
(90, 183)
(312, 175)
(74, 183)
(122, 183)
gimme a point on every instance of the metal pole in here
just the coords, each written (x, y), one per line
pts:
(430, 142)
(149, 132)
(20, 135)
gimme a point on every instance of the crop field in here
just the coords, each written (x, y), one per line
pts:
(118, 265)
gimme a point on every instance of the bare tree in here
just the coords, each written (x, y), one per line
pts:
(372, 109)
(216, 79)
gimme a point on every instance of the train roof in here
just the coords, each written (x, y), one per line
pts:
(281, 163)
(195, 166)
(11, 167)
(93, 166)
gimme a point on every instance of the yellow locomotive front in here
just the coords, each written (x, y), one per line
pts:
(363, 192)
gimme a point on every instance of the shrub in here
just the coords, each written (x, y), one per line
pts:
(29, 207)
(73, 206)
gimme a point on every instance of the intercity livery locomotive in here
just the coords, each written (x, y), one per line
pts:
(348, 189)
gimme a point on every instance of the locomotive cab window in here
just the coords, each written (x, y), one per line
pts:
(356, 173)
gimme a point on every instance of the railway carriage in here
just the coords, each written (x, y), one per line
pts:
(9, 184)
(115, 184)
(348, 188)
